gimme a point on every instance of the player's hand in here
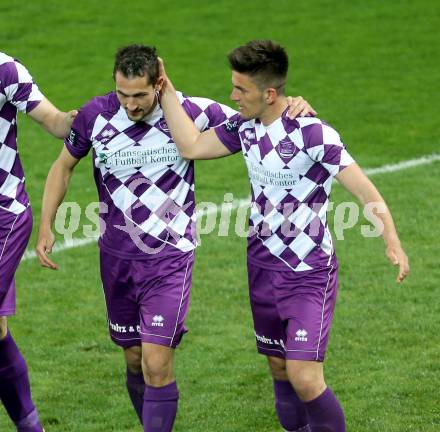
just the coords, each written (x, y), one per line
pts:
(398, 257)
(163, 80)
(299, 107)
(46, 240)
(70, 116)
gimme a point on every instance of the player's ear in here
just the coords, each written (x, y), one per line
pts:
(159, 84)
(271, 95)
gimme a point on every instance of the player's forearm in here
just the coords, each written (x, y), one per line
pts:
(376, 208)
(59, 125)
(57, 183)
(182, 128)
(56, 123)
(358, 184)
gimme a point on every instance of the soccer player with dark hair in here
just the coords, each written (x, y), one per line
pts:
(18, 92)
(146, 191)
(292, 266)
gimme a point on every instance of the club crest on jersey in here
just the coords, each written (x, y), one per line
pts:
(162, 125)
(287, 149)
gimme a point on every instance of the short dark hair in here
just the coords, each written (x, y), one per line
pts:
(137, 61)
(264, 60)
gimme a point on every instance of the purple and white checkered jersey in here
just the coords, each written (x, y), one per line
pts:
(17, 92)
(146, 189)
(291, 164)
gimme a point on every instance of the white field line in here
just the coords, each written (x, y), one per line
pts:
(400, 166)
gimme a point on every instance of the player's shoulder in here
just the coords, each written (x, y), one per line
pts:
(204, 111)
(316, 131)
(202, 103)
(12, 71)
(311, 122)
(308, 121)
(107, 103)
(5, 58)
(194, 104)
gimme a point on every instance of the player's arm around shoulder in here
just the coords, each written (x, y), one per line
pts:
(55, 189)
(358, 184)
(192, 143)
(53, 120)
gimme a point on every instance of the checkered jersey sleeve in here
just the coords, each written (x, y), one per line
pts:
(323, 144)
(17, 85)
(228, 134)
(78, 143)
(208, 114)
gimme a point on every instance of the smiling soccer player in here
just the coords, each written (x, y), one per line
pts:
(292, 266)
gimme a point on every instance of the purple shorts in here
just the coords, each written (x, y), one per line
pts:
(15, 231)
(293, 311)
(147, 300)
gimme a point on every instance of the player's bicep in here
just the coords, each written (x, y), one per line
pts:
(43, 112)
(209, 146)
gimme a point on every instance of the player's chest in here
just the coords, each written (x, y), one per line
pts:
(134, 147)
(274, 151)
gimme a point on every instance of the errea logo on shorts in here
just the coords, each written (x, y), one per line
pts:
(301, 335)
(157, 321)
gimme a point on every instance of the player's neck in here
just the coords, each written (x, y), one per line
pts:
(274, 111)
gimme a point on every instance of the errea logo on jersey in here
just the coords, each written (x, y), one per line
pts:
(301, 335)
(108, 133)
(249, 134)
(157, 321)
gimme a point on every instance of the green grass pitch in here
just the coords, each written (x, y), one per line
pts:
(371, 70)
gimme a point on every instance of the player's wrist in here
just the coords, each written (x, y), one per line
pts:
(45, 227)
(391, 241)
(168, 89)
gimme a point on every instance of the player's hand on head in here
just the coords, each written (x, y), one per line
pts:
(45, 242)
(69, 117)
(299, 107)
(163, 77)
(398, 257)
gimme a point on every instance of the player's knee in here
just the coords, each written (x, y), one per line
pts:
(308, 387)
(277, 368)
(158, 368)
(3, 327)
(133, 358)
(307, 378)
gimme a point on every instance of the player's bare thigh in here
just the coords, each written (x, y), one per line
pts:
(3, 327)
(133, 358)
(277, 368)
